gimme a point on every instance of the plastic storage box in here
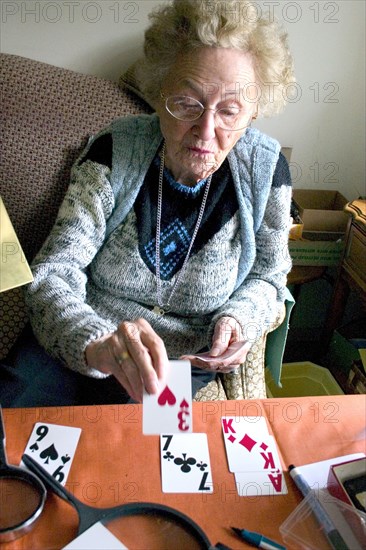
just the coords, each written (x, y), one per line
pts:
(302, 379)
(302, 530)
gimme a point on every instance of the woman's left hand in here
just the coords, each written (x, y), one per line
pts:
(228, 350)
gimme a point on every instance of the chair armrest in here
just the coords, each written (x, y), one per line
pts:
(276, 340)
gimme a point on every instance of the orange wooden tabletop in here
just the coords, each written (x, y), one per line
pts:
(115, 463)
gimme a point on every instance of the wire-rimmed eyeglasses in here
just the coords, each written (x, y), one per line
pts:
(188, 109)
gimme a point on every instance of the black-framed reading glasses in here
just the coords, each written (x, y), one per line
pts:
(188, 109)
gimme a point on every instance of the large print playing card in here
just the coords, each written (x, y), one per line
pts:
(243, 436)
(251, 484)
(170, 410)
(95, 538)
(53, 447)
(185, 463)
(252, 454)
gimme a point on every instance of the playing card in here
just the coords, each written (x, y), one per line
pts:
(202, 359)
(252, 454)
(260, 483)
(97, 537)
(53, 447)
(243, 437)
(170, 410)
(185, 463)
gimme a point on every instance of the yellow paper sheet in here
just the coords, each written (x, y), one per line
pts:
(14, 269)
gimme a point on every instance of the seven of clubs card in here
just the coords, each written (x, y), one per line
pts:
(185, 463)
(53, 447)
(170, 410)
(253, 457)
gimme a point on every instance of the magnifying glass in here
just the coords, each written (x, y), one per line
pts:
(22, 496)
(136, 525)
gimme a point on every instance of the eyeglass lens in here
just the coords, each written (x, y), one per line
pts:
(189, 109)
(155, 532)
(18, 502)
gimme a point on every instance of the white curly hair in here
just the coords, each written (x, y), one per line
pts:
(184, 25)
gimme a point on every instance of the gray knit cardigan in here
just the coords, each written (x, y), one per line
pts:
(89, 276)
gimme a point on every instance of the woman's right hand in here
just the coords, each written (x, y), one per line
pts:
(134, 354)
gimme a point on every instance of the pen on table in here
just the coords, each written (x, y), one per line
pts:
(333, 535)
(258, 540)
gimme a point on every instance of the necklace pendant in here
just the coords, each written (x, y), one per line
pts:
(158, 310)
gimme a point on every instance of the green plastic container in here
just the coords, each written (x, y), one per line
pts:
(302, 379)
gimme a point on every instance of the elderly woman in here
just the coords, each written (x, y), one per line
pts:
(171, 239)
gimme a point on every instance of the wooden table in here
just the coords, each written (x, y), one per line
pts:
(115, 463)
(352, 272)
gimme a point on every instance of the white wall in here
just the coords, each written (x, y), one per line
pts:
(325, 125)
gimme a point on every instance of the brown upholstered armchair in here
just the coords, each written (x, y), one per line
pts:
(47, 115)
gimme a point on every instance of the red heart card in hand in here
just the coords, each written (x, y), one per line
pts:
(170, 410)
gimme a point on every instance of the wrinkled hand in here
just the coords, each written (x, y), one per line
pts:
(228, 350)
(134, 354)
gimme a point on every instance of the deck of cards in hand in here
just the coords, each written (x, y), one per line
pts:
(184, 456)
(252, 456)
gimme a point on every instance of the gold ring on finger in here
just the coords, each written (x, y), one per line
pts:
(123, 357)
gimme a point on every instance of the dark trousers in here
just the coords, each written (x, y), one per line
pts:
(34, 379)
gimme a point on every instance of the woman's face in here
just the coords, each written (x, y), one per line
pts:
(218, 78)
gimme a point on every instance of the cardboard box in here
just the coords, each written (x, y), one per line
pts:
(347, 481)
(321, 210)
(321, 241)
(317, 248)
